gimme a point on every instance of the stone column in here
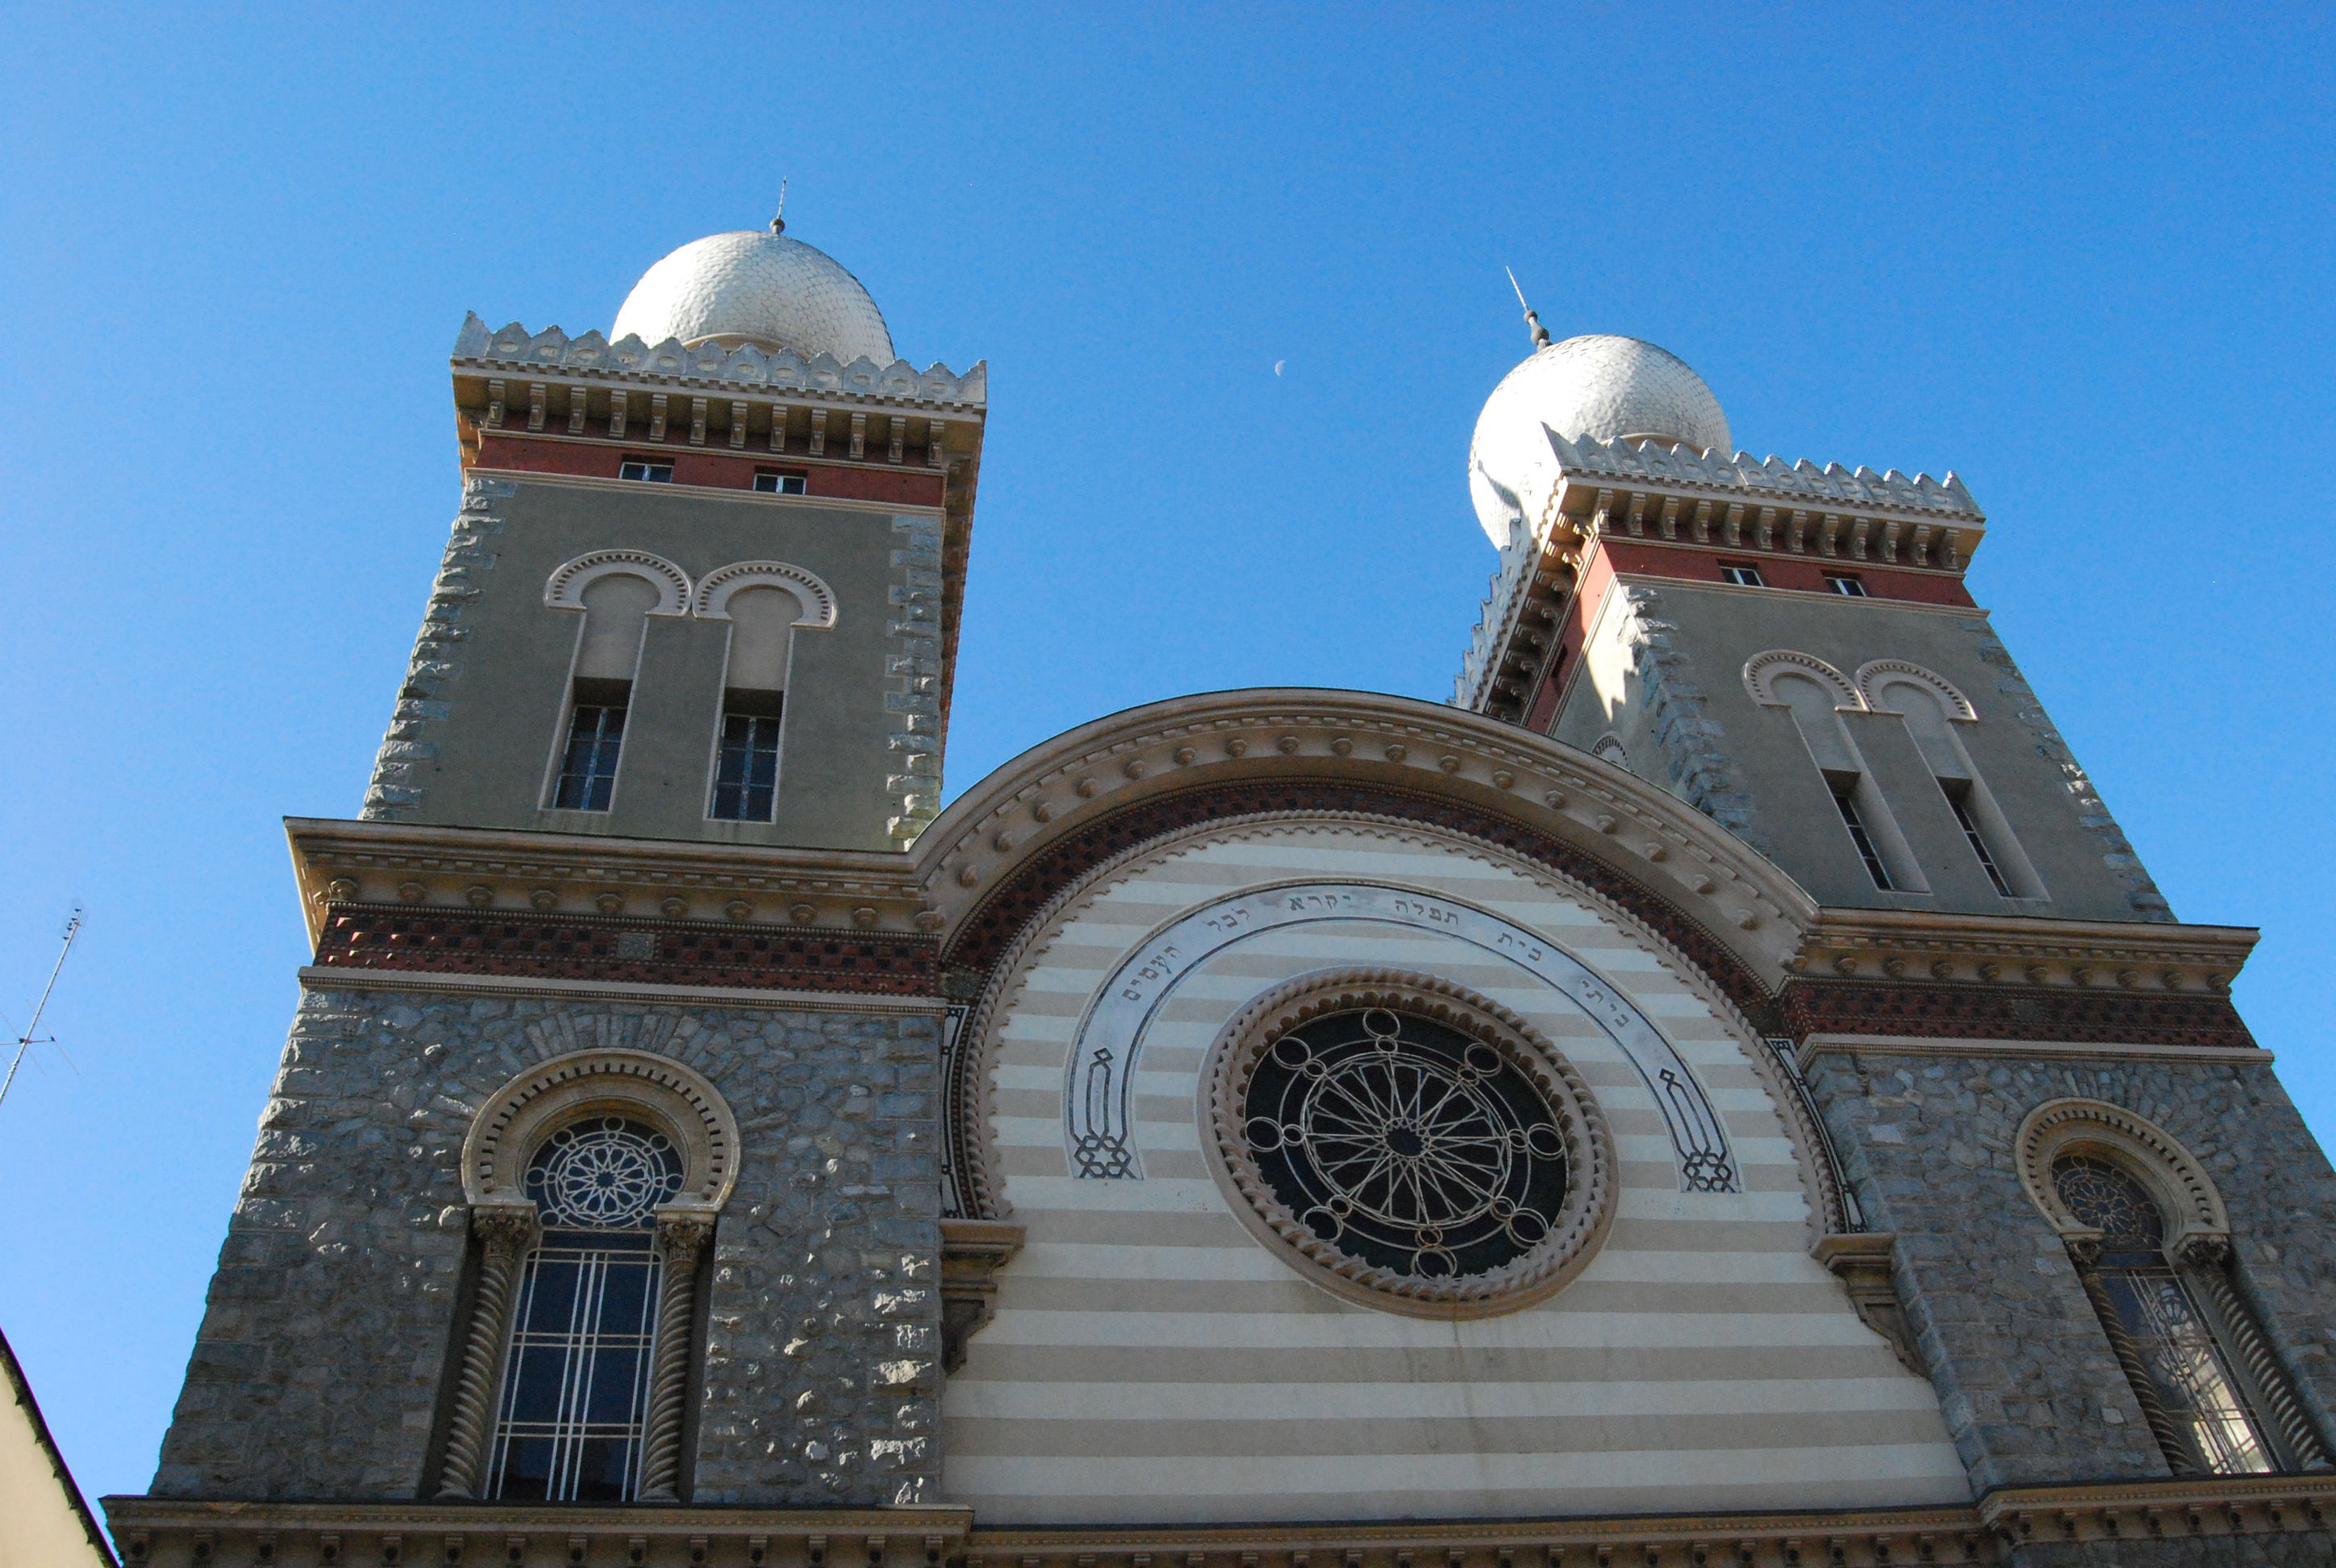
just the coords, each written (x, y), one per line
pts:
(2085, 1251)
(682, 1238)
(2208, 1259)
(505, 1232)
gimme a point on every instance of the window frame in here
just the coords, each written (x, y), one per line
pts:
(655, 471)
(780, 478)
(1847, 585)
(1742, 574)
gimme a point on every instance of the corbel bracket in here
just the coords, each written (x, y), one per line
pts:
(972, 1252)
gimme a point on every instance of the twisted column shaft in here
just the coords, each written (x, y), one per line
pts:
(2209, 1259)
(505, 1235)
(2085, 1253)
(683, 1238)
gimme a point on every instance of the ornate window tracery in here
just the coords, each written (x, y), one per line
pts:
(595, 1179)
(2151, 1242)
(1405, 1144)
(576, 1378)
(2161, 1320)
(1409, 1145)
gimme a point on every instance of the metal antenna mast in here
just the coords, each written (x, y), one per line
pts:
(779, 219)
(26, 1041)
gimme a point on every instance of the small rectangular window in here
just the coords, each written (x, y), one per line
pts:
(1859, 837)
(746, 768)
(641, 468)
(1842, 583)
(772, 483)
(1742, 576)
(596, 734)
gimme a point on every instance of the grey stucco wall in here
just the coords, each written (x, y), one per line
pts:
(1664, 671)
(2030, 1389)
(478, 720)
(318, 1369)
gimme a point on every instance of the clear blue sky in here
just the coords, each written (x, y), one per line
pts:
(2081, 256)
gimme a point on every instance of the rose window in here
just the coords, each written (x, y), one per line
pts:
(604, 1175)
(1407, 1145)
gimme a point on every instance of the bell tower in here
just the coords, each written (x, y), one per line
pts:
(1789, 648)
(705, 578)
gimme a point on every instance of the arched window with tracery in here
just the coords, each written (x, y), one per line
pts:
(595, 1181)
(583, 1337)
(2144, 1301)
(2151, 1242)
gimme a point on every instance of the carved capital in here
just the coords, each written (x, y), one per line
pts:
(1863, 1262)
(506, 1228)
(2084, 1247)
(683, 1234)
(2203, 1248)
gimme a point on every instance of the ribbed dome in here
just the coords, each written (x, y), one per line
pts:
(756, 286)
(1609, 387)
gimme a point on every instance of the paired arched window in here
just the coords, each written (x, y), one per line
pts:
(1934, 712)
(2151, 1245)
(1816, 695)
(764, 601)
(595, 1183)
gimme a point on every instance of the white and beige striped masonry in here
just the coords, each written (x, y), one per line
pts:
(1151, 1361)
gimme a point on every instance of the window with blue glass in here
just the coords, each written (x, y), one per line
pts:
(595, 738)
(746, 766)
(575, 1379)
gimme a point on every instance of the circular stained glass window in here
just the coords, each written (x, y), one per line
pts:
(604, 1175)
(1406, 1143)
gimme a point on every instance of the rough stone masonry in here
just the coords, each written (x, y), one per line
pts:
(822, 1345)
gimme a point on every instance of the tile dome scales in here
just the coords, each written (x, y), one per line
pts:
(1599, 386)
(758, 287)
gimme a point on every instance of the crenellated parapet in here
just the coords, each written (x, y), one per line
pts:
(743, 398)
(1672, 494)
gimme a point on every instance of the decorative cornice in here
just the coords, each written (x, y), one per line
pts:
(2107, 956)
(516, 353)
(1656, 464)
(408, 982)
(996, 855)
(168, 1533)
(1952, 1013)
(165, 1533)
(526, 874)
(404, 940)
(1809, 1049)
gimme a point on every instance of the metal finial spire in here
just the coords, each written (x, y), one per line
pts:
(1540, 333)
(779, 219)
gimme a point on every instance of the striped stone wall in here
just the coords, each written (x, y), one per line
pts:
(1149, 1360)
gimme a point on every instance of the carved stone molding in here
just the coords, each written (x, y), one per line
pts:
(972, 1252)
(2010, 1012)
(2184, 1191)
(671, 1096)
(1861, 1261)
(1574, 1233)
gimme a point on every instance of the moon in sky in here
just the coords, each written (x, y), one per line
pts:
(1277, 365)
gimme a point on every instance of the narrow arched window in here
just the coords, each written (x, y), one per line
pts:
(2170, 1345)
(1864, 815)
(578, 1373)
(754, 697)
(600, 690)
(1932, 716)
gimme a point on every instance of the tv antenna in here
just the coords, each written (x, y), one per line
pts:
(779, 219)
(1540, 333)
(32, 1035)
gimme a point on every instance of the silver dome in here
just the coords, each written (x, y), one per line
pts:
(1612, 388)
(756, 286)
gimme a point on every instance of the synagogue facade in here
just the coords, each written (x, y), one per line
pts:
(1720, 1089)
